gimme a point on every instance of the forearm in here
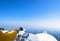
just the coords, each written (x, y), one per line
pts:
(13, 34)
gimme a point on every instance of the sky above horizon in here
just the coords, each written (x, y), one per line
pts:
(30, 12)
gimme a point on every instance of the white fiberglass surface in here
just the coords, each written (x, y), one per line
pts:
(45, 37)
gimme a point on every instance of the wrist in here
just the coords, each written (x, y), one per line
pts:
(17, 30)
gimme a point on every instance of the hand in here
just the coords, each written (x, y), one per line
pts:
(21, 29)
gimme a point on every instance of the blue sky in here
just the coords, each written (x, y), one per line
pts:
(30, 12)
